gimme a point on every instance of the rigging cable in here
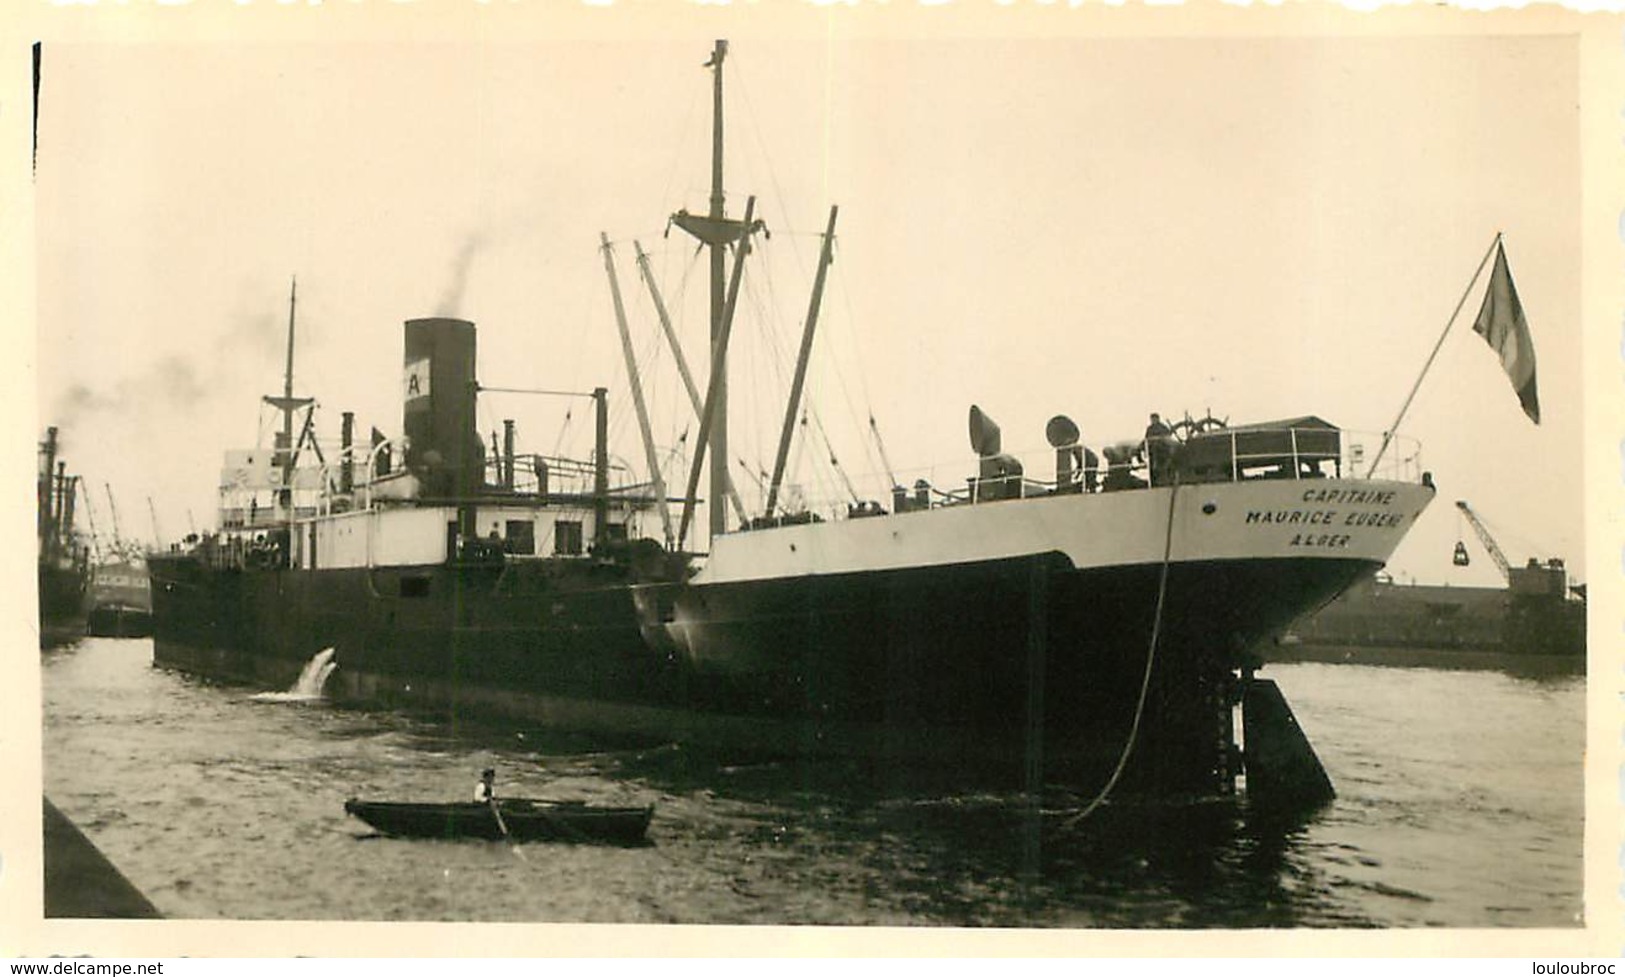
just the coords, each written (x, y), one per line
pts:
(564, 428)
(1150, 660)
(744, 88)
(884, 460)
(835, 462)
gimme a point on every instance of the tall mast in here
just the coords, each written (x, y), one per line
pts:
(286, 443)
(719, 430)
(716, 232)
(287, 404)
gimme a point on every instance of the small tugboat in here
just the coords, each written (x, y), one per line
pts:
(513, 818)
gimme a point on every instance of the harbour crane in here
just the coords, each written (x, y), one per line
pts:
(1494, 549)
(112, 507)
(157, 534)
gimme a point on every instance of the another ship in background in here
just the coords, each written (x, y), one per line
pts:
(118, 601)
(63, 555)
(1535, 623)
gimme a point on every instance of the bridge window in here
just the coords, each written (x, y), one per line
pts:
(567, 537)
(520, 538)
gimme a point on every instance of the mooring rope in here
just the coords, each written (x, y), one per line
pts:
(1150, 660)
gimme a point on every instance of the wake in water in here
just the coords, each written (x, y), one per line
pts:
(311, 681)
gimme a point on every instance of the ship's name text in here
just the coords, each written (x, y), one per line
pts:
(1325, 517)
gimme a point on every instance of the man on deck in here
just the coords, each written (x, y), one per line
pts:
(1159, 443)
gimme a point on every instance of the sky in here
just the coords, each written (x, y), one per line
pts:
(1263, 227)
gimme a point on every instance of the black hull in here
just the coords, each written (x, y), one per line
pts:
(61, 595)
(1024, 656)
(1027, 665)
(118, 622)
(521, 821)
(1382, 623)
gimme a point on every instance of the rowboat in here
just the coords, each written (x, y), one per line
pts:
(523, 819)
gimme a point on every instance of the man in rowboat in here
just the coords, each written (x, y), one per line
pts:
(485, 791)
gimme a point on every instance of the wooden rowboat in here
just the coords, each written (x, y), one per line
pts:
(525, 820)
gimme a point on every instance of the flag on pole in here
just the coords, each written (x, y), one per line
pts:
(1503, 326)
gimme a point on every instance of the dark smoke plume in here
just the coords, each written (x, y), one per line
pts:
(171, 383)
(451, 300)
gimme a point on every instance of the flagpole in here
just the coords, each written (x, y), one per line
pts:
(1388, 435)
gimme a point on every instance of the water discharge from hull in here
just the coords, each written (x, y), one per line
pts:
(312, 679)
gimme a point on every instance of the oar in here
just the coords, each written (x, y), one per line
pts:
(503, 827)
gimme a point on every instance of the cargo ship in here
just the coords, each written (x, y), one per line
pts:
(1536, 622)
(63, 556)
(118, 601)
(1096, 630)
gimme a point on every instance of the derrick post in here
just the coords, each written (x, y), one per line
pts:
(61, 483)
(507, 454)
(346, 442)
(651, 456)
(600, 467)
(825, 256)
(47, 491)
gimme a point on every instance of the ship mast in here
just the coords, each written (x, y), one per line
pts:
(719, 432)
(287, 404)
(716, 232)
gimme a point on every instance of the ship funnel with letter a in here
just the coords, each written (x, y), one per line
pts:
(444, 449)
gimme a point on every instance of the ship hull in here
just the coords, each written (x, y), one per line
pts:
(1008, 657)
(456, 626)
(993, 666)
(1383, 623)
(61, 603)
(118, 621)
(1048, 636)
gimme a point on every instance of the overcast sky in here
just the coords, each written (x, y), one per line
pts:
(1263, 227)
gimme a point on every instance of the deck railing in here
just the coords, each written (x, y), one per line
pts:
(1223, 455)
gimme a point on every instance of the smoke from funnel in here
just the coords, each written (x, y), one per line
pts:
(452, 299)
(172, 383)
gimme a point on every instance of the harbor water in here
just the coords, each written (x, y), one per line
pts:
(1460, 803)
